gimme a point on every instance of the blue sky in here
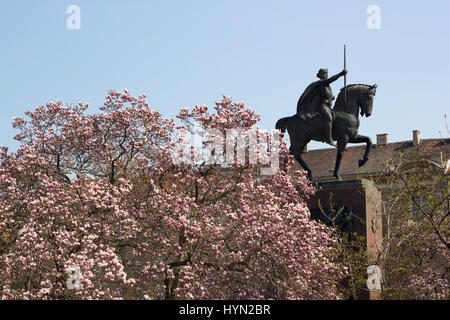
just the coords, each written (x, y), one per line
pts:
(265, 53)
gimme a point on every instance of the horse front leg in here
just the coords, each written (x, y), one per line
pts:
(342, 143)
(359, 139)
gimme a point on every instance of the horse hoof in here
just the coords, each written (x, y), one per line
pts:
(362, 162)
(338, 178)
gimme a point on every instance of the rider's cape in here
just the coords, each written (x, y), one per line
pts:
(310, 99)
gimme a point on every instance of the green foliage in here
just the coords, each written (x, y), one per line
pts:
(416, 225)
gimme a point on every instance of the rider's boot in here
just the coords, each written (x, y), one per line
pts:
(329, 139)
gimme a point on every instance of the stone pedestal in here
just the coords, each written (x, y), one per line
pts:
(359, 204)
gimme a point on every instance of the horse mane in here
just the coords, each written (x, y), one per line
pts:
(351, 86)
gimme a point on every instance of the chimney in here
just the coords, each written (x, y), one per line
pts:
(382, 139)
(416, 137)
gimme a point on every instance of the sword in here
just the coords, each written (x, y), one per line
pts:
(345, 76)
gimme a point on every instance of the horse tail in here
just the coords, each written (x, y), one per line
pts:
(281, 124)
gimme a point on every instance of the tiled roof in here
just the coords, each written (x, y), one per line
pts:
(322, 161)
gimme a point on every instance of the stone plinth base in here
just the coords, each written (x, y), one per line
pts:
(361, 213)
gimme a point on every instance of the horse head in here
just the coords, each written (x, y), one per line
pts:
(366, 100)
(360, 99)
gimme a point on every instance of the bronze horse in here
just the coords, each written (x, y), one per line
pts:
(307, 126)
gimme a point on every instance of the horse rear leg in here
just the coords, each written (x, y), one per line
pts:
(359, 139)
(298, 156)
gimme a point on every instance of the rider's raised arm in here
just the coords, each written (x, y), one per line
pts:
(335, 77)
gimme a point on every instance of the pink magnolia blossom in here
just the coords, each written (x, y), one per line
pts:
(101, 192)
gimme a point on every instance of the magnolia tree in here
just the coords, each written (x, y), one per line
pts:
(98, 206)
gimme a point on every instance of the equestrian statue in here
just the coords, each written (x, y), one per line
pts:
(315, 120)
